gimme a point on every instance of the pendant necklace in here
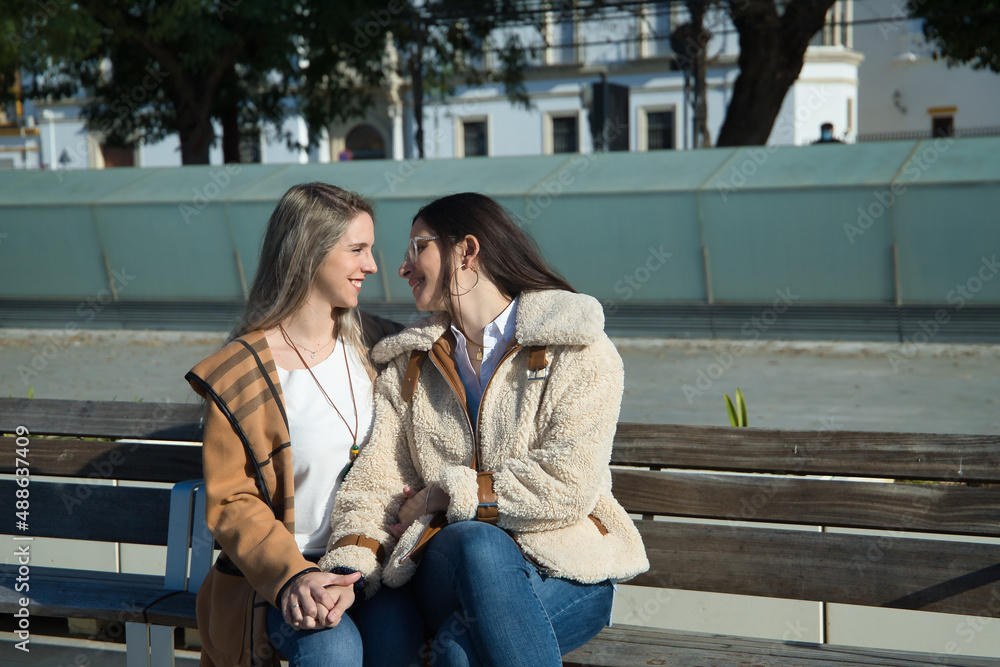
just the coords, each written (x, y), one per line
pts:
(312, 355)
(355, 450)
(479, 352)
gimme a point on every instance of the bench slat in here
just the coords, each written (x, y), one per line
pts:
(103, 419)
(929, 456)
(105, 596)
(176, 611)
(102, 513)
(627, 646)
(852, 504)
(103, 459)
(872, 570)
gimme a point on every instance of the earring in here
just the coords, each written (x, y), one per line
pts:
(455, 278)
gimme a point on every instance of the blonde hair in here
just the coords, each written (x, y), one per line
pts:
(309, 220)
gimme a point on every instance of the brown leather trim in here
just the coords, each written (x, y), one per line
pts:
(417, 359)
(361, 541)
(435, 526)
(536, 358)
(444, 356)
(487, 510)
(597, 522)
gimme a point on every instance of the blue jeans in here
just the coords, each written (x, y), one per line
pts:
(384, 631)
(490, 606)
(340, 645)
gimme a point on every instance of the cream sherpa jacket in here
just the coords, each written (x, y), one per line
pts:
(547, 442)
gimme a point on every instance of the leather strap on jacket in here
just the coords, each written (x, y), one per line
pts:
(487, 510)
(597, 522)
(361, 541)
(537, 366)
(417, 359)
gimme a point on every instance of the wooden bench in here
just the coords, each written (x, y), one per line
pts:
(807, 478)
(729, 488)
(70, 450)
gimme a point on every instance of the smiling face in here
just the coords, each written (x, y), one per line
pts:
(425, 273)
(338, 281)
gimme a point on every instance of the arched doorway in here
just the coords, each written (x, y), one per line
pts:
(365, 143)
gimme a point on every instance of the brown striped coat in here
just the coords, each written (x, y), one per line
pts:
(247, 461)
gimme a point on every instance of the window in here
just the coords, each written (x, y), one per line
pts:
(836, 30)
(659, 130)
(250, 146)
(943, 126)
(565, 134)
(474, 138)
(118, 156)
(562, 36)
(364, 142)
(656, 30)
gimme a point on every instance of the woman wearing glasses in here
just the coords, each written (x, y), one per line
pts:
(289, 403)
(487, 477)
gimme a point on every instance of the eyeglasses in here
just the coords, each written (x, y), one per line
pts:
(413, 250)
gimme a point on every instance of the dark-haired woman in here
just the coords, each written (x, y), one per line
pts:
(495, 419)
(289, 401)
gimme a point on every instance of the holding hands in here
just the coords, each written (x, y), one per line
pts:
(318, 599)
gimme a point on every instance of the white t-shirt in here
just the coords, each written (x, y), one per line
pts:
(321, 443)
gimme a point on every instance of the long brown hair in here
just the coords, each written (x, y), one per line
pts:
(309, 220)
(508, 257)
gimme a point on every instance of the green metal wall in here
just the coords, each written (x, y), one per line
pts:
(821, 221)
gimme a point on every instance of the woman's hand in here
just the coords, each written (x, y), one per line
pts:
(428, 500)
(318, 599)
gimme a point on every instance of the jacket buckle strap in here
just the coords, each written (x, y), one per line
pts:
(361, 541)
(487, 510)
(538, 366)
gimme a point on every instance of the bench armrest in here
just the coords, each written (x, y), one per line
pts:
(188, 534)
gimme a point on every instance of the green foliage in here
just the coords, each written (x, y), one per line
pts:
(963, 31)
(158, 67)
(737, 413)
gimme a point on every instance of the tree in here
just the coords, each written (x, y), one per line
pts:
(444, 41)
(158, 67)
(773, 43)
(963, 31)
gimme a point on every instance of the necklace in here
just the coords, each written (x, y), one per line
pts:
(479, 353)
(355, 450)
(312, 355)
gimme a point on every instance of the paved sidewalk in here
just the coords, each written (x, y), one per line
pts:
(801, 385)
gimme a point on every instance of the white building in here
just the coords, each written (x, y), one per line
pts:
(632, 49)
(904, 92)
(868, 73)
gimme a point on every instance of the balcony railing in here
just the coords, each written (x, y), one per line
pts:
(910, 135)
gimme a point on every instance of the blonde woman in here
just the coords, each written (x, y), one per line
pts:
(289, 405)
(487, 478)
